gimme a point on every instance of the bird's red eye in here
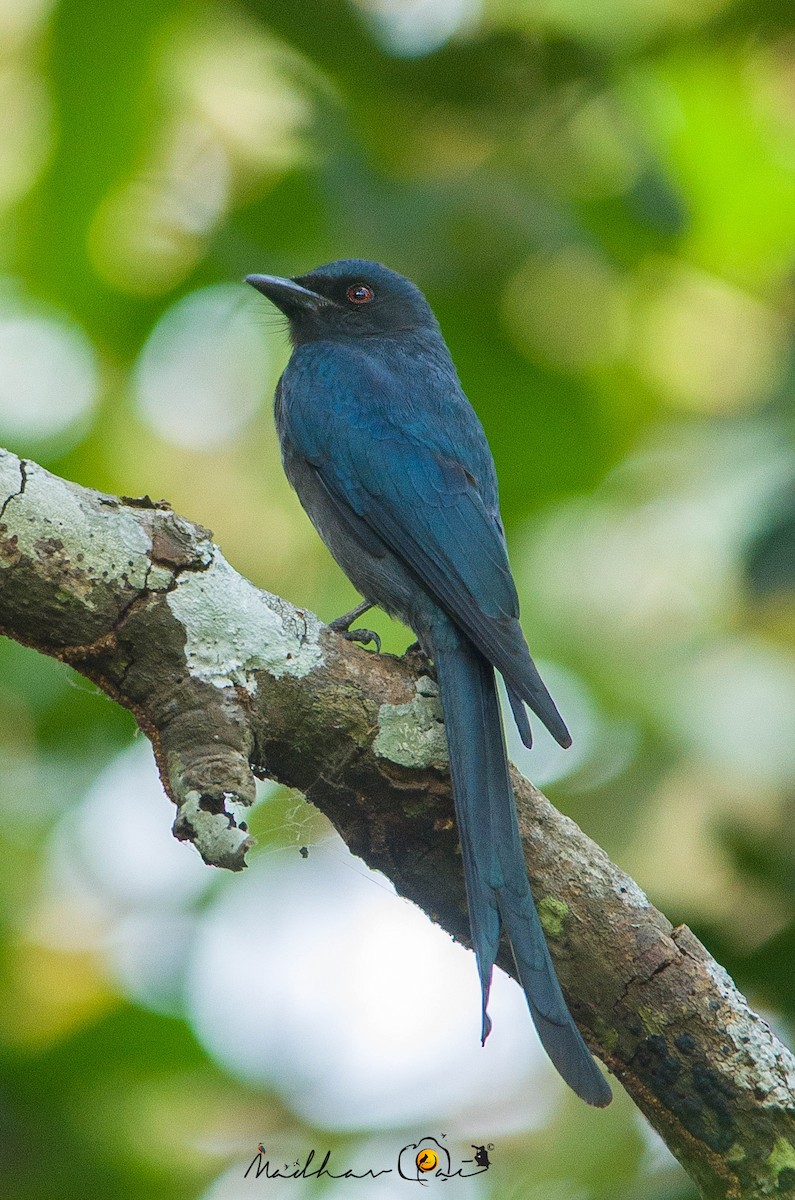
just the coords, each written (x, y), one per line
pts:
(360, 293)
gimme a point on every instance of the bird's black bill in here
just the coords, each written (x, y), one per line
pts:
(286, 294)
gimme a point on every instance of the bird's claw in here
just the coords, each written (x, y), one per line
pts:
(418, 660)
(363, 636)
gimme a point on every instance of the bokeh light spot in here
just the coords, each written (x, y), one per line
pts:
(709, 346)
(245, 87)
(149, 231)
(49, 375)
(19, 19)
(568, 309)
(25, 140)
(347, 996)
(204, 369)
(412, 28)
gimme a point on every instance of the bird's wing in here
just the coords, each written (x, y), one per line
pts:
(428, 510)
(426, 507)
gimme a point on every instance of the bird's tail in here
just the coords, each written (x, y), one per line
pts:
(498, 891)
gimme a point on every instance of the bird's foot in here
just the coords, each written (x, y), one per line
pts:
(342, 624)
(418, 660)
(364, 637)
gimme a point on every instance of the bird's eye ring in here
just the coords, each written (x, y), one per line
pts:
(360, 293)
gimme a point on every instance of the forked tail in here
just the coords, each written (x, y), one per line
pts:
(498, 890)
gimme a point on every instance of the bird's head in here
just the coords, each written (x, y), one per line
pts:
(350, 298)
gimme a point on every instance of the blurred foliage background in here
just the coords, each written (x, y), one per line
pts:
(599, 201)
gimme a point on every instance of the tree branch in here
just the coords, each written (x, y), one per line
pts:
(229, 682)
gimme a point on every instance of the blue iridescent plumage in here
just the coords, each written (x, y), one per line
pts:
(392, 465)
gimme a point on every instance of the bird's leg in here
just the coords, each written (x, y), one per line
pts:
(363, 636)
(343, 624)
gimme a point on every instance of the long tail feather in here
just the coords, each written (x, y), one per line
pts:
(498, 891)
(525, 685)
(520, 717)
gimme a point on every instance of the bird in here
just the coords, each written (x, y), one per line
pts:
(392, 466)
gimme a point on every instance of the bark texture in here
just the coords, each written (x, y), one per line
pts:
(230, 682)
